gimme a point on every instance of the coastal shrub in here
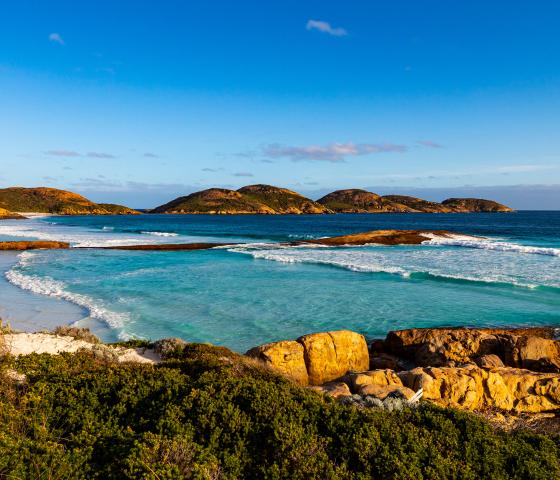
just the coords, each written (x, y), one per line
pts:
(208, 413)
(77, 332)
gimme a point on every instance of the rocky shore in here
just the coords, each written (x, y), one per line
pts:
(379, 237)
(495, 372)
(499, 373)
(72, 407)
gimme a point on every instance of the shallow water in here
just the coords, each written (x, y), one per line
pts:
(245, 295)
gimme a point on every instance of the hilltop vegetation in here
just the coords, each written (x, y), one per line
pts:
(362, 201)
(266, 199)
(261, 199)
(474, 205)
(208, 413)
(415, 204)
(282, 200)
(251, 199)
(52, 200)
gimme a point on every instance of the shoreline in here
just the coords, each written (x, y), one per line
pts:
(28, 311)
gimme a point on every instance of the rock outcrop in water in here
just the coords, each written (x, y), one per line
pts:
(381, 237)
(253, 199)
(34, 245)
(511, 370)
(55, 201)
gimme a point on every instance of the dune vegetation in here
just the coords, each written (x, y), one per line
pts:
(205, 412)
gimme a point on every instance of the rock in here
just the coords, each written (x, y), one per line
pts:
(436, 347)
(382, 391)
(373, 377)
(7, 215)
(286, 357)
(384, 360)
(330, 355)
(166, 247)
(507, 388)
(33, 245)
(533, 353)
(489, 361)
(526, 347)
(334, 389)
(382, 237)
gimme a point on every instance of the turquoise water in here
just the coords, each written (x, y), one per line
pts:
(246, 295)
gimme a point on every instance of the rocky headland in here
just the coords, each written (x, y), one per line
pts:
(34, 245)
(55, 201)
(379, 237)
(7, 215)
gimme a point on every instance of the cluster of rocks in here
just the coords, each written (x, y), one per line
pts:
(511, 370)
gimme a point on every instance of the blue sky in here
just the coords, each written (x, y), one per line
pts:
(141, 101)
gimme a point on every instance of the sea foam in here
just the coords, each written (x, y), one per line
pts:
(54, 288)
(486, 244)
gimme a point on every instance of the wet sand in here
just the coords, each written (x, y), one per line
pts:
(24, 310)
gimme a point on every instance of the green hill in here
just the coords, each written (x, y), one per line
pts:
(282, 200)
(52, 200)
(214, 201)
(475, 205)
(355, 200)
(418, 204)
(253, 199)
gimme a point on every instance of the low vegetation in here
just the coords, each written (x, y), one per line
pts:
(55, 201)
(77, 333)
(206, 412)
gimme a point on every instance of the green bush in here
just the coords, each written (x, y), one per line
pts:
(210, 414)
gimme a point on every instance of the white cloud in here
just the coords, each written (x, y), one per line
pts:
(62, 153)
(56, 38)
(325, 27)
(429, 144)
(100, 155)
(335, 152)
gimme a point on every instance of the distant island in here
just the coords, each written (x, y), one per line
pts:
(251, 199)
(267, 199)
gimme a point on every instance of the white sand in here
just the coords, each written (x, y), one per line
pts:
(26, 343)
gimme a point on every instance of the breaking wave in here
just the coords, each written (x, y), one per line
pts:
(485, 244)
(161, 234)
(54, 288)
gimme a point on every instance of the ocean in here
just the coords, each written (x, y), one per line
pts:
(245, 295)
